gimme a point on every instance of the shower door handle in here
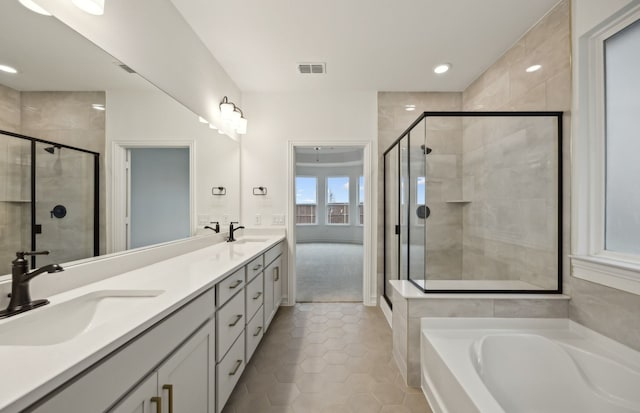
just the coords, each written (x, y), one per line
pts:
(397, 229)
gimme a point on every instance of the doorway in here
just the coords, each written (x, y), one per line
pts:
(158, 196)
(152, 194)
(329, 217)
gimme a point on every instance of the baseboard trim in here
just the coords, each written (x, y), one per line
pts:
(386, 310)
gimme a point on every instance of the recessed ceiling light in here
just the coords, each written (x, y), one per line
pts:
(202, 120)
(409, 108)
(98, 106)
(534, 68)
(442, 68)
(8, 69)
(95, 7)
(212, 126)
(34, 7)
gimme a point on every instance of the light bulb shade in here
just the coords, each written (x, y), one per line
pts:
(235, 118)
(95, 7)
(242, 126)
(34, 7)
(226, 110)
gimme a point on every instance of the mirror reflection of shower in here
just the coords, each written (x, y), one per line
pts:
(52, 149)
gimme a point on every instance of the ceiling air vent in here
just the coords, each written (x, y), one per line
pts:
(312, 68)
(125, 67)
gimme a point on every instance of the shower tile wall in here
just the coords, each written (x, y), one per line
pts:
(393, 119)
(67, 118)
(65, 177)
(510, 223)
(14, 176)
(444, 189)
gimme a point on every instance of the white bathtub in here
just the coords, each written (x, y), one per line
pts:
(498, 365)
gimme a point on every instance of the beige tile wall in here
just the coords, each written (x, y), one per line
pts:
(510, 166)
(14, 176)
(67, 118)
(445, 251)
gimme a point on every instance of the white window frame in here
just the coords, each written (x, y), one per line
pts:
(589, 259)
(317, 199)
(327, 203)
(358, 223)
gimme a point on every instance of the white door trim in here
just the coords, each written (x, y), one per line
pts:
(369, 282)
(117, 196)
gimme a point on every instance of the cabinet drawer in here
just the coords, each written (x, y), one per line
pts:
(255, 296)
(230, 323)
(273, 253)
(229, 371)
(231, 285)
(255, 267)
(254, 332)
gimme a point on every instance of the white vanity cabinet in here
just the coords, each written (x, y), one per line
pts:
(183, 383)
(188, 360)
(273, 275)
(179, 351)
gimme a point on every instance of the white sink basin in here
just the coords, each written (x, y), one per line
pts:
(250, 240)
(57, 323)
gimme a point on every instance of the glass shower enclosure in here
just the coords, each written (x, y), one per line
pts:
(473, 203)
(48, 200)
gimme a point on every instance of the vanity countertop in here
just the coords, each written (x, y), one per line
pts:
(31, 372)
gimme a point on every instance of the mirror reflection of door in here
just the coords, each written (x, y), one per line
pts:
(158, 195)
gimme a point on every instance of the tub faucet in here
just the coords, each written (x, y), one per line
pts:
(215, 229)
(232, 230)
(20, 277)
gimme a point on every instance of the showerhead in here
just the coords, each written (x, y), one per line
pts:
(52, 149)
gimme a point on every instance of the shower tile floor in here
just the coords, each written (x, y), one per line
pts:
(325, 357)
(328, 272)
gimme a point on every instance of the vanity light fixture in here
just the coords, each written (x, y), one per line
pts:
(34, 7)
(232, 116)
(409, 108)
(95, 7)
(442, 68)
(8, 69)
(98, 106)
(533, 68)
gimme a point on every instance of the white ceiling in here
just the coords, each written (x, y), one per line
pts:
(52, 57)
(383, 45)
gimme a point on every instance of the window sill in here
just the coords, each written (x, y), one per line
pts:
(621, 275)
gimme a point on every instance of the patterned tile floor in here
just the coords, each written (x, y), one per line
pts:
(325, 357)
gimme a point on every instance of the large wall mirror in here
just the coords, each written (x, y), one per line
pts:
(93, 158)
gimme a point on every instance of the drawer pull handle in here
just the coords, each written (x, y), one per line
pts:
(276, 274)
(235, 284)
(234, 322)
(257, 267)
(235, 368)
(158, 402)
(257, 295)
(169, 388)
(258, 330)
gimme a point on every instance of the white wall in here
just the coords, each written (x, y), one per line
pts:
(276, 119)
(148, 115)
(151, 37)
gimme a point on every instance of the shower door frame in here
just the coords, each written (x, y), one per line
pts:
(96, 187)
(551, 114)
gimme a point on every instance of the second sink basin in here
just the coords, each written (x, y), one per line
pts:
(57, 323)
